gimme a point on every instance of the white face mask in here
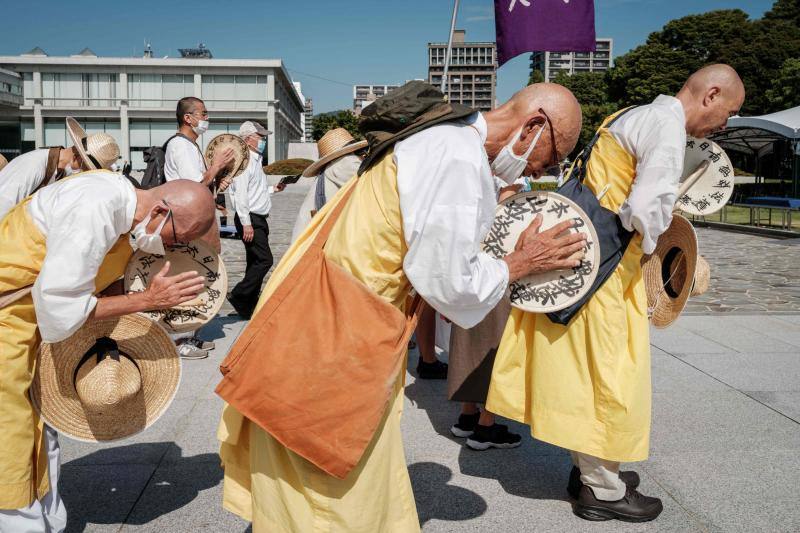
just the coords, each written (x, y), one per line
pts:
(69, 171)
(201, 128)
(509, 166)
(149, 242)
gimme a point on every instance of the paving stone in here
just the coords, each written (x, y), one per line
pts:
(742, 490)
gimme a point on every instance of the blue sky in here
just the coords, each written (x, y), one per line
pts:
(353, 41)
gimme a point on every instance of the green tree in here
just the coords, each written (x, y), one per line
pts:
(591, 90)
(757, 49)
(324, 122)
(785, 91)
(536, 77)
(786, 10)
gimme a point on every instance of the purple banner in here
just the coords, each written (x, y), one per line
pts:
(543, 25)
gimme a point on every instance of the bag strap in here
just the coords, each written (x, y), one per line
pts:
(52, 166)
(414, 309)
(583, 158)
(8, 298)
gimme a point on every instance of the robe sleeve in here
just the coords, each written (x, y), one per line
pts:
(442, 196)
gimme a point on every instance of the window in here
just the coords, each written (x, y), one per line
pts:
(71, 90)
(238, 92)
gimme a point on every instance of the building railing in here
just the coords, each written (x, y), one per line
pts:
(165, 103)
(10, 99)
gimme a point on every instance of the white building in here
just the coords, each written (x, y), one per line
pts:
(365, 94)
(134, 99)
(551, 63)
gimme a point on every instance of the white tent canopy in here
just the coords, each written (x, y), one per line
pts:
(756, 135)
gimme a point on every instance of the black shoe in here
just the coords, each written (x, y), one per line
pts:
(239, 308)
(466, 425)
(630, 478)
(633, 507)
(435, 370)
(494, 436)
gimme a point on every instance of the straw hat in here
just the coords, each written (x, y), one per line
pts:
(3, 161)
(665, 272)
(241, 157)
(111, 379)
(333, 145)
(98, 150)
(552, 291)
(196, 256)
(702, 277)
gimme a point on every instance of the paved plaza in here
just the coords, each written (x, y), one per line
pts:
(724, 447)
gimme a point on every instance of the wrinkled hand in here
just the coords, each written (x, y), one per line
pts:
(247, 233)
(537, 252)
(165, 291)
(223, 158)
(508, 191)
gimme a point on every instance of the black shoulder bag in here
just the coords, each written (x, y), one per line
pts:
(612, 237)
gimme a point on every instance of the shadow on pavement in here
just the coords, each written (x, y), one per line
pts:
(436, 499)
(216, 328)
(102, 489)
(535, 470)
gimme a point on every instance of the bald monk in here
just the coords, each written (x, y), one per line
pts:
(415, 219)
(66, 243)
(586, 386)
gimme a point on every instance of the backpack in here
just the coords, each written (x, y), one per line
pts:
(155, 157)
(405, 111)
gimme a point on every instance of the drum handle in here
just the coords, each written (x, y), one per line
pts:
(692, 178)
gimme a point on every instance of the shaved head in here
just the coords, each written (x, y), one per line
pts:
(541, 105)
(191, 204)
(710, 97)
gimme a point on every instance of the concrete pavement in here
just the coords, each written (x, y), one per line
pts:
(724, 448)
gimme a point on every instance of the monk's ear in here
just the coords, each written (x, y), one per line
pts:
(712, 95)
(532, 125)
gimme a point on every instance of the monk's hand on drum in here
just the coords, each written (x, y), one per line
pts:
(223, 158)
(542, 251)
(168, 291)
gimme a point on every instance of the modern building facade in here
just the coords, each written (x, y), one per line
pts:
(134, 99)
(309, 121)
(363, 95)
(10, 101)
(472, 75)
(550, 64)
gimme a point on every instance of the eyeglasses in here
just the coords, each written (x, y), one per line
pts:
(172, 221)
(555, 159)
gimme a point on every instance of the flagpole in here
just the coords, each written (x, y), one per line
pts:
(449, 46)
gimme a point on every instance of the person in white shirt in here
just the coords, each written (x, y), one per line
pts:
(183, 160)
(58, 249)
(250, 195)
(586, 386)
(29, 172)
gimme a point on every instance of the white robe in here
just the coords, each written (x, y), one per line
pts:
(21, 177)
(81, 219)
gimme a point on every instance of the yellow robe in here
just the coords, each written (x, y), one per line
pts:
(585, 386)
(276, 489)
(23, 454)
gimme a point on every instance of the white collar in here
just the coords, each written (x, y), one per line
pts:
(673, 105)
(254, 155)
(477, 121)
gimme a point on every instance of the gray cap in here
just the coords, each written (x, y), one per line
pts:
(252, 127)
